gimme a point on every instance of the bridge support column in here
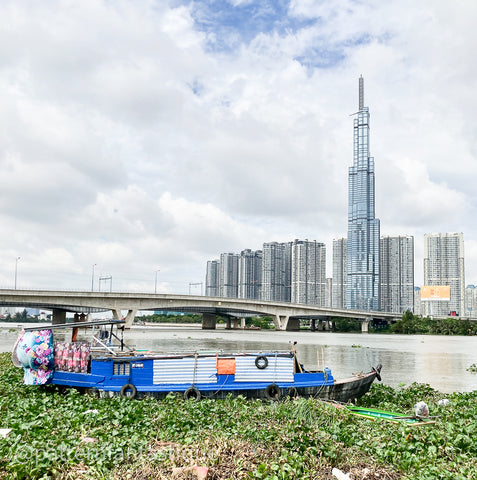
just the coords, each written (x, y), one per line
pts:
(293, 324)
(129, 318)
(313, 324)
(59, 316)
(209, 321)
(282, 322)
(365, 325)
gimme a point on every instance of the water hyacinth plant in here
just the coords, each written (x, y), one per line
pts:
(70, 435)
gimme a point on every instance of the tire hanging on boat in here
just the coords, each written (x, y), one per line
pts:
(261, 362)
(192, 394)
(272, 392)
(128, 390)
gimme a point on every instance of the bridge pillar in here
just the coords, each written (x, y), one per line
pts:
(129, 318)
(313, 324)
(365, 325)
(281, 322)
(209, 321)
(293, 324)
(58, 317)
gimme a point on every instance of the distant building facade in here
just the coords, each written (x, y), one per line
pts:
(250, 274)
(340, 273)
(228, 275)
(470, 301)
(276, 272)
(418, 310)
(329, 293)
(397, 274)
(444, 265)
(212, 278)
(363, 227)
(308, 272)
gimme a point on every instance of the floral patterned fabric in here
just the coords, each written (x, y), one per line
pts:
(35, 353)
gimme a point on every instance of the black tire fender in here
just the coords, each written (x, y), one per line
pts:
(128, 387)
(192, 393)
(272, 392)
(261, 362)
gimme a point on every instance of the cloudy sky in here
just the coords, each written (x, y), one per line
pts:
(142, 135)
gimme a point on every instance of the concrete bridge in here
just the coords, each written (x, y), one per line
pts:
(286, 316)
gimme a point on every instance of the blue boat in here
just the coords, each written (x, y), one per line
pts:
(107, 365)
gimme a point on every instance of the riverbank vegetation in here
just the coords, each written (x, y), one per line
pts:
(69, 435)
(407, 324)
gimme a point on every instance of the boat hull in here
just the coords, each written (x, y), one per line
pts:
(314, 385)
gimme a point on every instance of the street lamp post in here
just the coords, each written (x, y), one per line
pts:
(155, 281)
(92, 277)
(16, 270)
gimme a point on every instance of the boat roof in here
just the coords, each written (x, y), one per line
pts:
(60, 326)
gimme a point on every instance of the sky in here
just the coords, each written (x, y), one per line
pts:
(141, 138)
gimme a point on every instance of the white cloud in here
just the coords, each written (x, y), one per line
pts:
(126, 141)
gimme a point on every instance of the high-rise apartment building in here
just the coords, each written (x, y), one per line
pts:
(470, 302)
(417, 301)
(212, 278)
(276, 272)
(363, 227)
(397, 274)
(228, 275)
(444, 265)
(250, 274)
(329, 293)
(340, 273)
(308, 272)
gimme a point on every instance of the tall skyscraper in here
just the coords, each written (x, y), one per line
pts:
(228, 275)
(250, 274)
(212, 278)
(340, 273)
(363, 228)
(276, 272)
(308, 272)
(444, 265)
(397, 274)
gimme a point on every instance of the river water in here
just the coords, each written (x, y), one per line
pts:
(440, 361)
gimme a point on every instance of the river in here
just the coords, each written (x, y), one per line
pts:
(440, 361)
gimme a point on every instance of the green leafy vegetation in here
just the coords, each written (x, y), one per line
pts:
(346, 325)
(412, 324)
(169, 318)
(70, 435)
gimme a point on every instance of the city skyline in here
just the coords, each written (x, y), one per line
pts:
(143, 138)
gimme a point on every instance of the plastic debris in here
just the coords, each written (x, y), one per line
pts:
(94, 412)
(444, 402)
(4, 432)
(89, 440)
(421, 409)
(200, 473)
(340, 475)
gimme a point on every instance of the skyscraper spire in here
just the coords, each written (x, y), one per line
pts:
(363, 228)
(361, 92)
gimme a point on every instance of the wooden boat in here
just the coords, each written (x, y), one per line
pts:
(106, 365)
